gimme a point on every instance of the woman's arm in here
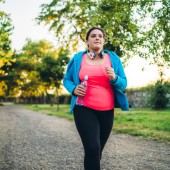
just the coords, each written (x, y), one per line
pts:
(68, 81)
(120, 81)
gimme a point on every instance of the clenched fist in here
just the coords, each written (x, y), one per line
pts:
(110, 72)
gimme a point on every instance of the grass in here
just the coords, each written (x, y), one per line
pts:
(142, 122)
(145, 123)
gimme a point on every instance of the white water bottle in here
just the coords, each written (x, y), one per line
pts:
(80, 99)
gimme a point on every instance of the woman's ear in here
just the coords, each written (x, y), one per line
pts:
(87, 43)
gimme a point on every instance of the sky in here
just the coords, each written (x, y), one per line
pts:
(23, 14)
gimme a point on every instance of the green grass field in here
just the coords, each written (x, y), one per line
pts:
(142, 122)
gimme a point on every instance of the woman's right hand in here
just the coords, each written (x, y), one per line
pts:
(80, 90)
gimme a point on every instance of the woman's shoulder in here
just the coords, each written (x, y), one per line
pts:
(76, 59)
(79, 54)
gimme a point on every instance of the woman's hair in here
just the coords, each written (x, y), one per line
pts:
(94, 28)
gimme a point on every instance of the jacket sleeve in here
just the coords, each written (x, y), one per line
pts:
(120, 83)
(68, 81)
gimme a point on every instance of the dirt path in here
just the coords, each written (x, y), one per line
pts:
(34, 141)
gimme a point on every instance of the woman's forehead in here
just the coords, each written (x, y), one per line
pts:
(96, 31)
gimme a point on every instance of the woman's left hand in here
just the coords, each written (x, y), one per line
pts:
(110, 72)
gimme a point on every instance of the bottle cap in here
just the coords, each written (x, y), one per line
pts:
(86, 77)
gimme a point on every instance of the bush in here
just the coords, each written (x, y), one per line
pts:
(159, 96)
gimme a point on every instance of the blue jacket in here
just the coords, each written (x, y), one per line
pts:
(71, 79)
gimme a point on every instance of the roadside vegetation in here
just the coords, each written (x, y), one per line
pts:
(142, 122)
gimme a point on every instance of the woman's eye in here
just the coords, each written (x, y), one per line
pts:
(93, 36)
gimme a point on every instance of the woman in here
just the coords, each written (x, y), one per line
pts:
(106, 83)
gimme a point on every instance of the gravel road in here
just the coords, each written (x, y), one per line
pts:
(34, 141)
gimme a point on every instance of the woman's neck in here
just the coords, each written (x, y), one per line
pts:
(97, 52)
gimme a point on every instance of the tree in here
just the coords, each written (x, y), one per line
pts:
(6, 54)
(156, 33)
(159, 99)
(122, 21)
(52, 69)
(10, 78)
(40, 67)
(5, 42)
(29, 82)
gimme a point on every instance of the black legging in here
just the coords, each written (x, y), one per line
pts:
(94, 128)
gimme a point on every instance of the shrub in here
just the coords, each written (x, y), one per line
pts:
(159, 96)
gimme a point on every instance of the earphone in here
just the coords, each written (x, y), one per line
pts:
(92, 55)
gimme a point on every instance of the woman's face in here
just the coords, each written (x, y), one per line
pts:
(95, 40)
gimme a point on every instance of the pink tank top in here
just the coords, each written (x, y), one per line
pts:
(99, 94)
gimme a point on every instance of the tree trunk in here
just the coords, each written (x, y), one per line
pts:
(57, 100)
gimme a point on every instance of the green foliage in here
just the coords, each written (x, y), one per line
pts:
(159, 96)
(40, 67)
(156, 34)
(10, 79)
(52, 68)
(125, 22)
(5, 42)
(37, 68)
(5, 31)
(6, 54)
